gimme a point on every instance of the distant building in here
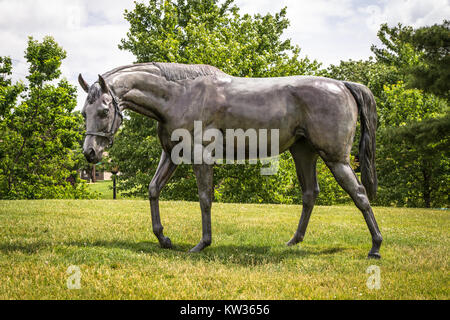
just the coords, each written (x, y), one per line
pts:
(95, 175)
(99, 175)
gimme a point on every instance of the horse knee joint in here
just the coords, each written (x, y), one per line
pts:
(153, 192)
(205, 199)
(363, 202)
(309, 197)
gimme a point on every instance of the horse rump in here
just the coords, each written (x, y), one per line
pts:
(368, 118)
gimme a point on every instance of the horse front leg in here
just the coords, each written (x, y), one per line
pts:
(165, 170)
(204, 175)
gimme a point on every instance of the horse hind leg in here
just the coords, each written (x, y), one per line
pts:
(347, 179)
(305, 159)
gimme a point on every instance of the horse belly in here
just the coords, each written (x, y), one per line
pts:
(265, 112)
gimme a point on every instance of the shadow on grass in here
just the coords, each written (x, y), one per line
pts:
(227, 254)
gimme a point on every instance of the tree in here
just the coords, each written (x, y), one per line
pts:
(205, 32)
(397, 50)
(374, 74)
(400, 106)
(433, 73)
(414, 160)
(8, 92)
(411, 171)
(39, 134)
(412, 157)
(202, 31)
(414, 172)
(423, 55)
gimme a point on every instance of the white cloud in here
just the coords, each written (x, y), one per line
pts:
(88, 30)
(331, 30)
(416, 13)
(326, 30)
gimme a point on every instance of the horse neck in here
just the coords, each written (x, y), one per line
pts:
(145, 93)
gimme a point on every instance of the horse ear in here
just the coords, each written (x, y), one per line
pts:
(103, 84)
(83, 83)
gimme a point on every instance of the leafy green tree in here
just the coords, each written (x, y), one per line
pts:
(406, 78)
(400, 106)
(374, 74)
(414, 171)
(412, 159)
(39, 133)
(9, 92)
(206, 32)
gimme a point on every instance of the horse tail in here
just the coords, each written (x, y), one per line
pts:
(368, 118)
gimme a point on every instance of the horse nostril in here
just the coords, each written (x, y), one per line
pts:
(90, 155)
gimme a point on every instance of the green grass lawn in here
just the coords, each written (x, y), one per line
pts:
(104, 189)
(119, 258)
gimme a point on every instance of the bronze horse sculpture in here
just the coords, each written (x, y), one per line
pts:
(315, 116)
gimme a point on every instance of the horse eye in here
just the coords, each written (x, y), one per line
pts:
(104, 112)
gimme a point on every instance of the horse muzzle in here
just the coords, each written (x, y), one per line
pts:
(92, 156)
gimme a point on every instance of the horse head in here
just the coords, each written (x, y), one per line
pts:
(102, 116)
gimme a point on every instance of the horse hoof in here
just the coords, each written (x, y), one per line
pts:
(166, 243)
(199, 247)
(293, 242)
(374, 255)
(195, 250)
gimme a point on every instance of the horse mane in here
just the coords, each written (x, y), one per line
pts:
(171, 71)
(95, 91)
(178, 71)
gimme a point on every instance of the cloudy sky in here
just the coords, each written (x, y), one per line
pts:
(326, 30)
